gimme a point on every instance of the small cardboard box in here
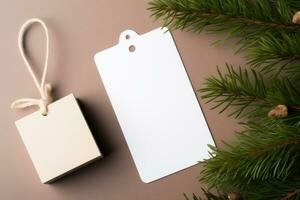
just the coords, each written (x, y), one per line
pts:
(59, 142)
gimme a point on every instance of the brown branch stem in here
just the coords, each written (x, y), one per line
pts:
(242, 19)
(275, 146)
(264, 101)
(250, 21)
(291, 194)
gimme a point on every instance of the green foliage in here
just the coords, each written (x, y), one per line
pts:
(277, 54)
(245, 90)
(236, 88)
(276, 189)
(260, 153)
(264, 27)
(208, 196)
(263, 161)
(235, 17)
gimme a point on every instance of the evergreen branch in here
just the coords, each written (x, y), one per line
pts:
(239, 18)
(260, 153)
(292, 194)
(275, 189)
(257, 24)
(208, 196)
(235, 88)
(249, 91)
(293, 5)
(277, 54)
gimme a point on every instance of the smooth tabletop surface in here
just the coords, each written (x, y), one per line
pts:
(79, 29)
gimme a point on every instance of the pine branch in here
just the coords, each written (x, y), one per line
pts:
(223, 14)
(235, 89)
(264, 27)
(277, 54)
(295, 194)
(208, 196)
(293, 5)
(276, 189)
(244, 90)
(260, 153)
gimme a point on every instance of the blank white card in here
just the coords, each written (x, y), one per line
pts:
(155, 103)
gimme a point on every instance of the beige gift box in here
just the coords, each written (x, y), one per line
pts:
(59, 142)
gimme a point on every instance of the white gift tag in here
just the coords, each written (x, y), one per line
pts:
(154, 102)
(57, 137)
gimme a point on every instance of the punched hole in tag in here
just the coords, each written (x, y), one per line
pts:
(131, 48)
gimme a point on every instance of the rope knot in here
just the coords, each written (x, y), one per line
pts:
(46, 100)
(41, 103)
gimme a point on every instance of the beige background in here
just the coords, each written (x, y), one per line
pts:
(79, 29)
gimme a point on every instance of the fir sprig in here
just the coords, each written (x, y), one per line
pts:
(235, 89)
(275, 189)
(234, 16)
(260, 153)
(277, 54)
(208, 196)
(244, 90)
(264, 27)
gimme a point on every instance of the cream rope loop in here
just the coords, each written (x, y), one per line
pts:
(44, 89)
